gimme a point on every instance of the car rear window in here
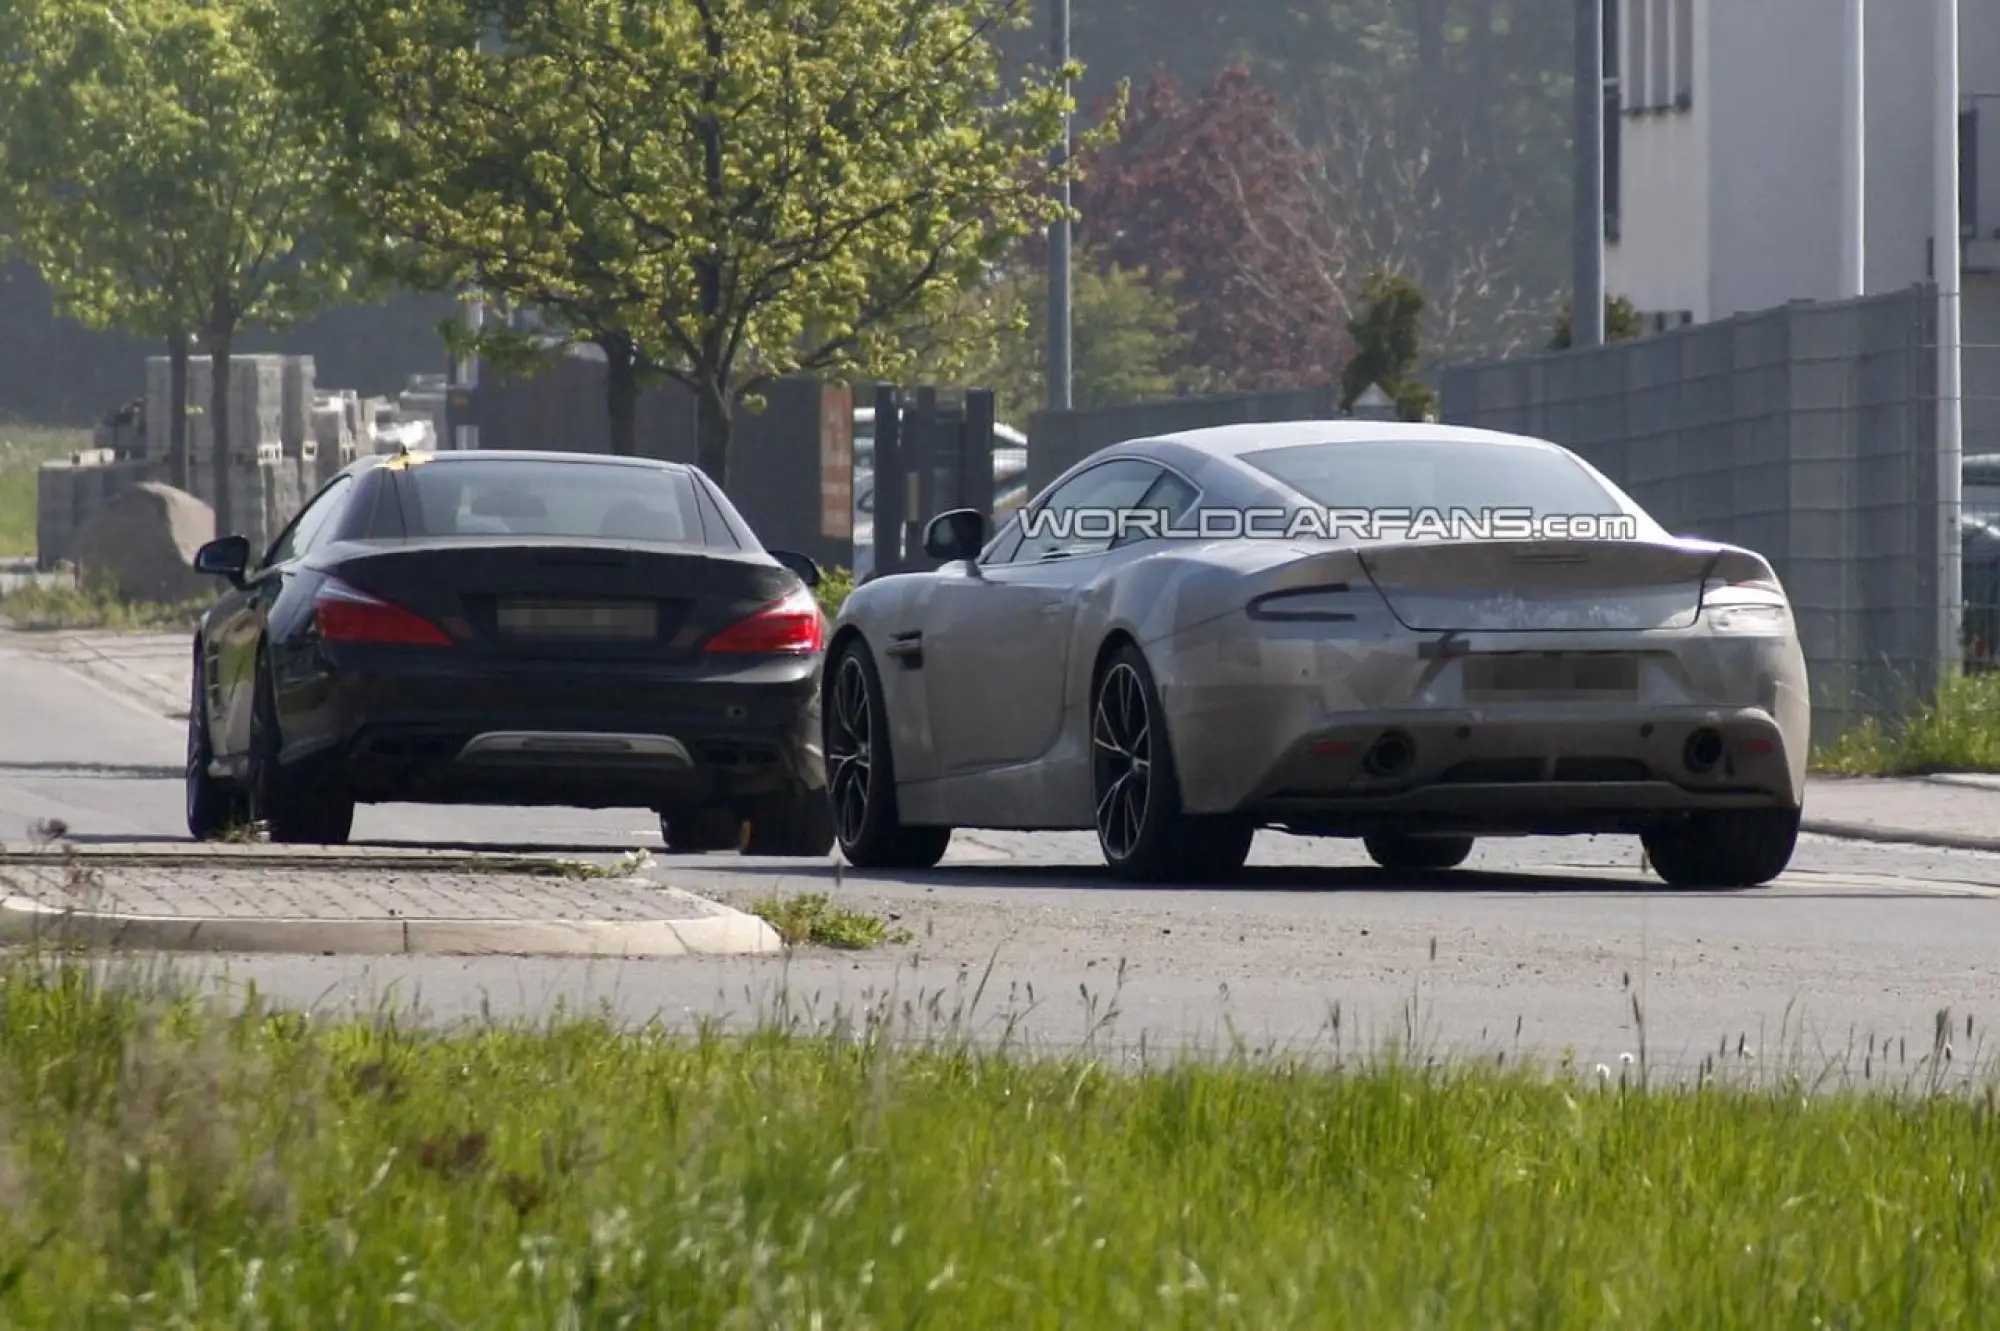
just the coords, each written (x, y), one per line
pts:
(1436, 474)
(560, 499)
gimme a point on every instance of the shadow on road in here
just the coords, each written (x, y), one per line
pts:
(93, 771)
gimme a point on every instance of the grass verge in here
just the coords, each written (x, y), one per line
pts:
(165, 1163)
(23, 449)
(811, 917)
(1957, 731)
(91, 604)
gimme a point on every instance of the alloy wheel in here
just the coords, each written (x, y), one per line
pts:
(850, 774)
(1121, 734)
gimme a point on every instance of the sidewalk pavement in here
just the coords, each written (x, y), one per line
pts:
(354, 901)
(1959, 812)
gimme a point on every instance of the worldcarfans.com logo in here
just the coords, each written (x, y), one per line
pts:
(1093, 526)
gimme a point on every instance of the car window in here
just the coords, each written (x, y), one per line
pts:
(1171, 497)
(1445, 474)
(1109, 487)
(297, 540)
(579, 500)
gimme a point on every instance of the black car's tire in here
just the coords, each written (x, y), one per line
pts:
(293, 810)
(798, 826)
(1418, 854)
(861, 771)
(215, 807)
(1135, 788)
(1724, 847)
(700, 832)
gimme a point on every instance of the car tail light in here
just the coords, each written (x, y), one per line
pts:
(792, 627)
(347, 614)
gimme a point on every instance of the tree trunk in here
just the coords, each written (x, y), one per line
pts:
(713, 428)
(218, 431)
(621, 399)
(180, 474)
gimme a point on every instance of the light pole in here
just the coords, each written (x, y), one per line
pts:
(1059, 354)
(1854, 156)
(1945, 262)
(1586, 302)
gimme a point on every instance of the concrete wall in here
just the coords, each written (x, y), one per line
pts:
(1806, 433)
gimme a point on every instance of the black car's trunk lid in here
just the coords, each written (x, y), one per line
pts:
(568, 598)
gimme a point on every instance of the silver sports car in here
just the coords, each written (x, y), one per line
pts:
(1130, 653)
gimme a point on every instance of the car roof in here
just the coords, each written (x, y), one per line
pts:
(1256, 436)
(449, 456)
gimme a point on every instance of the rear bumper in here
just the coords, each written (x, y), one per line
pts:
(419, 727)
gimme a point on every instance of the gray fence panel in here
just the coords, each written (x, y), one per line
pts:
(1806, 432)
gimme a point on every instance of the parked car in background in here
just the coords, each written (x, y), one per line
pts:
(1177, 692)
(512, 628)
(1010, 482)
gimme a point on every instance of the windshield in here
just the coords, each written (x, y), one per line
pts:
(562, 499)
(1437, 474)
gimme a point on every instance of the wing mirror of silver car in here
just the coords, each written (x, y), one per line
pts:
(959, 534)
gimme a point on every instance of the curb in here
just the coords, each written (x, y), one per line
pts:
(25, 920)
(1890, 836)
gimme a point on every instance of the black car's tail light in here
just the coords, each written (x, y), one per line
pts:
(347, 614)
(791, 627)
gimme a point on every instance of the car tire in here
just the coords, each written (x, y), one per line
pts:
(215, 807)
(1418, 854)
(702, 831)
(293, 811)
(796, 826)
(1135, 788)
(861, 771)
(1724, 847)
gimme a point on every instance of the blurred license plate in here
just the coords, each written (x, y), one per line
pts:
(579, 619)
(1494, 678)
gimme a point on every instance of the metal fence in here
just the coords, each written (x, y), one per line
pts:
(1807, 433)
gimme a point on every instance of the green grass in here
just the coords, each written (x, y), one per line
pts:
(1957, 731)
(91, 605)
(23, 449)
(811, 917)
(166, 1164)
(834, 585)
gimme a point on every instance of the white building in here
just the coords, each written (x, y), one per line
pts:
(1724, 167)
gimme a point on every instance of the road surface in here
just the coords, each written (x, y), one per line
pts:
(1541, 945)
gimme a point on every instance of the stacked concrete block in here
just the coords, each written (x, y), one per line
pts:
(295, 408)
(334, 416)
(254, 401)
(424, 399)
(71, 491)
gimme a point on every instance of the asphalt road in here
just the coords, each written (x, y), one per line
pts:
(1540, 945)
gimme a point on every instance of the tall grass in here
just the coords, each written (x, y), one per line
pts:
(166, 1163)
(1957, 730)
(23, 449)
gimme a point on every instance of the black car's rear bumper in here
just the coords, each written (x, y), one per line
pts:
(426, 727)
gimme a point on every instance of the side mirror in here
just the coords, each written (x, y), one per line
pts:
(959, 534)
(807, 570)
(224, 557)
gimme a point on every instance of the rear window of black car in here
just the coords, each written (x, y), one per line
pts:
(1444, 474)
(559, 499)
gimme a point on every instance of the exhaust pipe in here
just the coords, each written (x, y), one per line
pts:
(1391, 755)
(1703, 751)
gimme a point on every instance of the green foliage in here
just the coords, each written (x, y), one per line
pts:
(93, 603)
(1957, 729)
(812, 918)
(1621, 324)
(834, 585)
(720, 193)
(1387, 339)
(1125, 337)
(169, 1163)
(23, 450)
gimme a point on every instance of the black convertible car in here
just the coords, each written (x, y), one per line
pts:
(513, 628)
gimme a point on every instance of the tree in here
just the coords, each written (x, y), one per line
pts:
(167, 182)
(1388, 347)
(1215, 190)
(1621, 324)
(1125, 337)
(718, 192)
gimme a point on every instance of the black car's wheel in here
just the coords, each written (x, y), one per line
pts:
(214, 807)
(1141, 829)
(702, 832)
(1418, 854)
(798, 825)
(1724, 847)
(861, 772)
(292, 810)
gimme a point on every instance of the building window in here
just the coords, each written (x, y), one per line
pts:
(1658, 70)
